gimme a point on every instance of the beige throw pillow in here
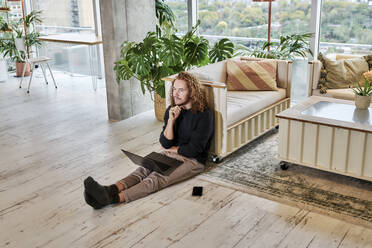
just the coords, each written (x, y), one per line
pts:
(344, 73)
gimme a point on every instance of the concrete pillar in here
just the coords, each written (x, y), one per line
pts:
(123, 20)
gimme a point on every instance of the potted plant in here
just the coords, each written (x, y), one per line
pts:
(20, 29)
(156, 57)
(163, 53)
(363, 94)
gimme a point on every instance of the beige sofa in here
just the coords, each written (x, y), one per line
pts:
(240, 116)
(314, 75)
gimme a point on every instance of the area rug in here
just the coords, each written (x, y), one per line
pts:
(255, 169)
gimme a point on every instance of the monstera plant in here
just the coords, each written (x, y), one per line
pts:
(164, 53)
(158, 56)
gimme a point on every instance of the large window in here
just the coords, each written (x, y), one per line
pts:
(346, 27)
(179, 8)
(65, 16)
(242, 21)
(246, 21)
(232, 18)
(290, 17)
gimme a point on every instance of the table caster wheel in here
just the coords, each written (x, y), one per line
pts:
(216, 159)
(283, 165)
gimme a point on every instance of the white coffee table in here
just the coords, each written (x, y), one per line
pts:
(327, 134)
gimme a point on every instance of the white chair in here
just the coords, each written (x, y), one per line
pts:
(20, 45)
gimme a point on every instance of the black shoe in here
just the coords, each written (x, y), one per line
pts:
(91, 201)
(97, 191)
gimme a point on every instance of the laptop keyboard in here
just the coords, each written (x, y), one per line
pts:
(164, 159)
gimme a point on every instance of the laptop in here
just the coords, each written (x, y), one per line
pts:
(155, 162)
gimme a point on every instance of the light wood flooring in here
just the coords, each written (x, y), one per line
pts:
(51, 140)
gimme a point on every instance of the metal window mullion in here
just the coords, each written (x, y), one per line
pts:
(316, 6)
(98, 32)
(192, 13)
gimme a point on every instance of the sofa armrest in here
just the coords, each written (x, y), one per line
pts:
(284, 75)
(213, 84)
(314, 74)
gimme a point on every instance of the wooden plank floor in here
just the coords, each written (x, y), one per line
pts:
(51, 140)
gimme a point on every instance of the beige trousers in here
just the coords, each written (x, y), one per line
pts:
(143, 182)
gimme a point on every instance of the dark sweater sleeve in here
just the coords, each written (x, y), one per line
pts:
(166, 143)
(199, 137)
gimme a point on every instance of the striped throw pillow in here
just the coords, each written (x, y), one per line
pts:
(251, 75)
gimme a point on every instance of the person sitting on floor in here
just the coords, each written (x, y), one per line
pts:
(186, 136)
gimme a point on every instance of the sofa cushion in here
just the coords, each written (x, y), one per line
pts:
(346, 94)
(340, 74)
(241, 104)
(368, 58)
(251, 75)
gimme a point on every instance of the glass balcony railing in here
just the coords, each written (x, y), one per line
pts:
(45, 30)
(67, 57)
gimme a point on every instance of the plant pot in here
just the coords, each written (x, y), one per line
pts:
(362, 102)
(159, 106)
(19, 69)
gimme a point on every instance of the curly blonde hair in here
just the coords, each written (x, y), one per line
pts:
(196, 94)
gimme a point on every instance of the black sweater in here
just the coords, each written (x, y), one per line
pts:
(193, 133)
